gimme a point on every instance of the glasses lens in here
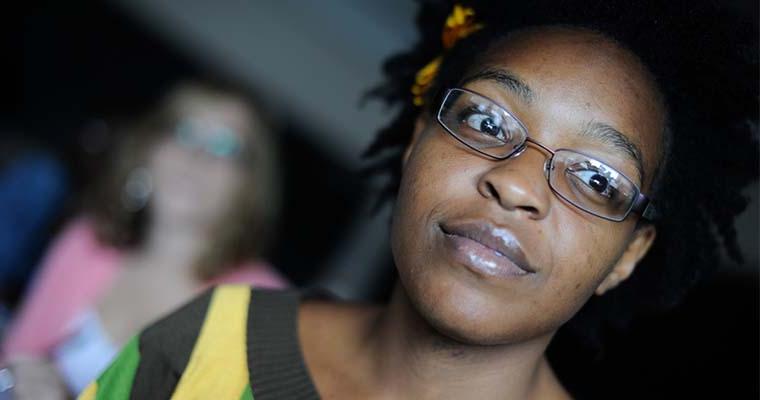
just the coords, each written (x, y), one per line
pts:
(591, 185)
(214, 139)
(225, 145)
(481, 124)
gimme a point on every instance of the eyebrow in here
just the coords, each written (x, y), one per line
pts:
(607, 134)
(505, 79)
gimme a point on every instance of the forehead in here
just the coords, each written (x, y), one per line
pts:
(577, 77)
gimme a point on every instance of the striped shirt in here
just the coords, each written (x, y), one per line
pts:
(232, 342)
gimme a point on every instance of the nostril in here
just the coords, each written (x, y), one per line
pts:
(492, 192)
(529, 209)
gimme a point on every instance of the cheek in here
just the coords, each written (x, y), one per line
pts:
(435, 182)
(221, 184)
(584, 257)
(223, 175)
(411, 209)
(166, 161)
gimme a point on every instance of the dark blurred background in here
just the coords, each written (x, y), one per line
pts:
(69, 65)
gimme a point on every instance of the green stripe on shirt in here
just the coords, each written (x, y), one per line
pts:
(247, 393)
(119, 376)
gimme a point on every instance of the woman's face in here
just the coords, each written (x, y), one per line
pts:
(456, 206)
(197, 169)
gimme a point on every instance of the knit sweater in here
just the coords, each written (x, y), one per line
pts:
(232, 342)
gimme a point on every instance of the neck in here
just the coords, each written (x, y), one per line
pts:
(413, 360)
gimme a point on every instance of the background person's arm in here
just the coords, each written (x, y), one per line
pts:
(35, 378)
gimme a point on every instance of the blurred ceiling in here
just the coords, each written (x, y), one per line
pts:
(312, 59)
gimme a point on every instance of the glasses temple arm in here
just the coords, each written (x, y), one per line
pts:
(643, 206)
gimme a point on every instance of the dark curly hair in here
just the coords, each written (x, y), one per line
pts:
(703, 56)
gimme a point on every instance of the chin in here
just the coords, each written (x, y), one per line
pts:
(467, 316)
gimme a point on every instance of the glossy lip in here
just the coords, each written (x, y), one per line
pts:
(498, 239)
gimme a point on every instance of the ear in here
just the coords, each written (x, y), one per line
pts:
(637, 249)
(419, 126)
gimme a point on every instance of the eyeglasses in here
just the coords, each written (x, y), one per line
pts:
(222, 143)
(583, 181)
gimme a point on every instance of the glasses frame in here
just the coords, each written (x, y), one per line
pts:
(641, 204)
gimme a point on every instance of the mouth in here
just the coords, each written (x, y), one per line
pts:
(486, 249)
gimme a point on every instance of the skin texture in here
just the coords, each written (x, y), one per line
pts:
(452, 333)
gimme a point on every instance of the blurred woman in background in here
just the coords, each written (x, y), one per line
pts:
(189, 200)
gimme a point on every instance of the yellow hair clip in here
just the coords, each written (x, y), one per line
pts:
(424, 79)
(459, 24)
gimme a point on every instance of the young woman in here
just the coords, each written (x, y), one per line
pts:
(543, 149)
(188, 201)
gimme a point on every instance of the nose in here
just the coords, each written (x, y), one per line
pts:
(196, 152)
(518, 184)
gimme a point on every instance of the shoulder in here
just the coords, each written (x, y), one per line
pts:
(74, 272)
(223, 311)
(77, 250)
(259, 274)
(202, 348)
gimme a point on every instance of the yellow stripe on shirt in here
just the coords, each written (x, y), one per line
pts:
(89, 392)
(218, 366)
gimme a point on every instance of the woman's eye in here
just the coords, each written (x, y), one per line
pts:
(485, 123)
(222, 147)
(595, 181)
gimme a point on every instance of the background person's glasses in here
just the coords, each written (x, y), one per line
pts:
(217, 140)
(583, 181)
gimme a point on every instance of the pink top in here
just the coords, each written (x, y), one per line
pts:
(75, 272)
